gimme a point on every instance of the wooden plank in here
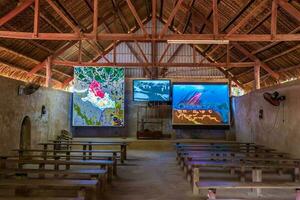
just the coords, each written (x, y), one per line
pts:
(249, 185)
(16, 11)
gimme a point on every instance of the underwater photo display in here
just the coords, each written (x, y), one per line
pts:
(151, 90)
(98, 98)
(200, 104)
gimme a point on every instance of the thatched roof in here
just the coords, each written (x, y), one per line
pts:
(18, 57)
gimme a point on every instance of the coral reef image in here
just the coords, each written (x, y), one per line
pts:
(98, 98)
(200, 104)
(151, 90)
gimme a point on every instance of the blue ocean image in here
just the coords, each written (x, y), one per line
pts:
(151, 90)
(214, 97)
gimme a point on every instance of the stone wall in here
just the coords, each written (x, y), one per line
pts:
(13, 109)
(279, 127)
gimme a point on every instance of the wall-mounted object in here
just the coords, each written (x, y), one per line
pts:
(43, 111)
(274, 98)
(261, 114)
(27, 89)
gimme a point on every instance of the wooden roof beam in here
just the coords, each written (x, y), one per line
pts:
(289, 8)
(63, 16)
(255, 59)
(171, 17)
(247, 17)
(138, 65)
(20, 8)
(136, 16)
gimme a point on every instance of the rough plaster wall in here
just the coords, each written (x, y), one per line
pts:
(14, 108)
(279, 128)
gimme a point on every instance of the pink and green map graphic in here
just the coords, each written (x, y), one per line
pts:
(98, 98)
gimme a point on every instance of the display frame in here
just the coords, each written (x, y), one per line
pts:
(170, 90)
(214, 126)
(124, 101)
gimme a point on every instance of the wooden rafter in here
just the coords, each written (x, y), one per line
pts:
(20, 8)
(171, 17)
(255, 59)
(136, 16)
(63, 16)
(289, 8)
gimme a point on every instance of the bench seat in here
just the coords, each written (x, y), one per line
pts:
(85, 188)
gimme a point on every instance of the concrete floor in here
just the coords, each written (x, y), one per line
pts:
(150, 175)
(153, 174)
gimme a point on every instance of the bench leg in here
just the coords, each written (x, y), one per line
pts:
(196, 175)
(114, 158)
(298, 194)
(296, 174)
(243, 174)
(257, 178)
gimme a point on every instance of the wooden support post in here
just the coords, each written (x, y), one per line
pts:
(95, 19)
(196, 179)
(257, 76)
(36, 18)
(80, 51)
(114, 158)
(84, 152)
(115, 54)
(215, 17)
(257, 178)
(48, 72)
(228, 55)
(274, 19)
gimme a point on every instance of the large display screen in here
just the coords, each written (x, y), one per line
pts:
(200, 104)
(98, 98)
(151, 90)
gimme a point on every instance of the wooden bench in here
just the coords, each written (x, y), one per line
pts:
(99, 174)
(67, 157)
(194, 173)
(212, 186)
(89, 189)
(68, 153)
(104, 164)
(89, 145)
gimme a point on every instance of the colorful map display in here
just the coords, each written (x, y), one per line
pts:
(98, 98)
(200, 104)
